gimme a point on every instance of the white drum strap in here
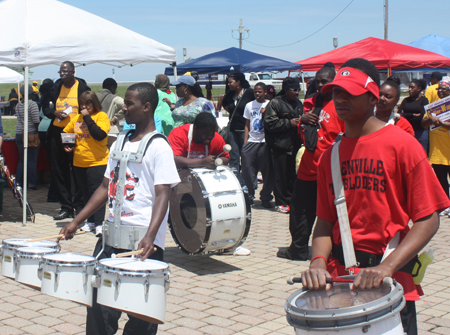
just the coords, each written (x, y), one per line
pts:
(190, 132)
(341, 209)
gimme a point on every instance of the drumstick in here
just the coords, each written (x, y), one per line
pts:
(52, 237)
(130, 253)
(291, 280)
(226, 148)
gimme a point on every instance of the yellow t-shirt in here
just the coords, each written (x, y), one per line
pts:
(67, 97)
(35, 89)
(431, 93)
(439, 146)
(88, 151)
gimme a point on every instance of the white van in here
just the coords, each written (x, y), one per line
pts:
(265, 77)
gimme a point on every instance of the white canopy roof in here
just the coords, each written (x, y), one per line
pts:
(9, 76)
(45, 32)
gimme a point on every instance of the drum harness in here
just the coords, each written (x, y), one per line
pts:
(116, 234)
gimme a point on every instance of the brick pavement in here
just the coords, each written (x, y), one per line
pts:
(208, 294)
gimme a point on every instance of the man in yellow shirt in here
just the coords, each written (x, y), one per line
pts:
(35, 94)
(431, 93)
(62, 108)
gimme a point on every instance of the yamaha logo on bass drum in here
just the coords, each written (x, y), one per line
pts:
(227, 205)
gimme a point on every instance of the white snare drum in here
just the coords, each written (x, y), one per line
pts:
(340, 310)
(68, 276)
(209, 210)
(133, 286)
(26, 262)
(11, 244)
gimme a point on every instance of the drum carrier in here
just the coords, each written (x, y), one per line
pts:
(114, 233)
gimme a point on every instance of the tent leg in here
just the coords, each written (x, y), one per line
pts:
(175, 74)
(303, 84)
(25, 148)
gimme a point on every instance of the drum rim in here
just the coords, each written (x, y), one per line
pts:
(395, 301)
(9, 246)
(131, 273)
(47, 261)
(33, 255)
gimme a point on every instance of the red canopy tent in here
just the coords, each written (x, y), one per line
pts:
(385, 55)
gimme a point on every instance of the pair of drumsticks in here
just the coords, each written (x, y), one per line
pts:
(123, 254)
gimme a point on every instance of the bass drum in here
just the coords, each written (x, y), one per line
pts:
(209, 210)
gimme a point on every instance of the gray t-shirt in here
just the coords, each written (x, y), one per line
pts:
(33, 117)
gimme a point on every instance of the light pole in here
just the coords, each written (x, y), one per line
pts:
(184, 55)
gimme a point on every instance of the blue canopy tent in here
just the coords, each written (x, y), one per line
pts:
(433, 43)
(233, 60)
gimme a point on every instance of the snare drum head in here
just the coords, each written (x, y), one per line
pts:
(134, 264)
(339, 296)
(68, 258)
(22, 242)
(34, 250)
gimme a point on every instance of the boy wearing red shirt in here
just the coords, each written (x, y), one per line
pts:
(387, 183)
(198, 145)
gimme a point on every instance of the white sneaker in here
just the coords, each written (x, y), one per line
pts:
(88, 226)
(241, 251)
(98, 230)
(445, 211)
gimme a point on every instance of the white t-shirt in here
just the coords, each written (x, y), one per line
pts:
(157, 168)
(252, 113)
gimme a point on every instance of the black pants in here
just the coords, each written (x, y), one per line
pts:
(442, 172)
(302, 216)
(69, 193)
(103, 320)
(409, 318)
(256, 157)
(91, 178)
(284, 173)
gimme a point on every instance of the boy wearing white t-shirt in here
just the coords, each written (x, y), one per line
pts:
(146, 197)
(256, 154)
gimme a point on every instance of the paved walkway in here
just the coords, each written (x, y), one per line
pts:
(208, 294)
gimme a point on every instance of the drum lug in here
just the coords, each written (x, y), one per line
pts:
(16, 263)
(166, 284)
(118, 281)
(57, 275)
(245, 189)
(146, 287)
(208, 222)
(85, 277)
(40, 269)
(365, 329)
(205, 194)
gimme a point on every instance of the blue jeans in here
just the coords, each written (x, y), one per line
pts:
(236, 140)
(422, 136)
(32, 163)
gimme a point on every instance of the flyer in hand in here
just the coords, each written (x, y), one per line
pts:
(441, 109)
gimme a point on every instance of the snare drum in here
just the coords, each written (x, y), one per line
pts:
(133, 286)
(11, 244)
(26, 263)
(340, 310)
(68, 276)
(209, 210)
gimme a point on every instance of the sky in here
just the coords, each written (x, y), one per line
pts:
(203, 27)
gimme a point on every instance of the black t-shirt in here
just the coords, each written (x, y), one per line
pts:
(410, 106)
(238, 122)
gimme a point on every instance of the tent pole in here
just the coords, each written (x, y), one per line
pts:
(175, 74)
(303, 84)
(25, 148)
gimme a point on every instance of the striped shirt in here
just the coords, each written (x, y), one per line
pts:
(33, 117)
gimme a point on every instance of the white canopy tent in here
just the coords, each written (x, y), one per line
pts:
(8, 76)
(34, 33)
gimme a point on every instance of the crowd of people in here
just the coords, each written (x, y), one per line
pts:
(384, 155)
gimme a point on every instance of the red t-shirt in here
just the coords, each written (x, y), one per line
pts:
(331, 126)
(405, 125)
(178, 139)
(387, 181)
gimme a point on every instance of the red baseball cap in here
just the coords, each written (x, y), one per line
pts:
(354, 82)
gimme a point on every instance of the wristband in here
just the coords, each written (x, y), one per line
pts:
(320, 256)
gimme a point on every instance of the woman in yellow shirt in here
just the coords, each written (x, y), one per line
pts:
(91, 127)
